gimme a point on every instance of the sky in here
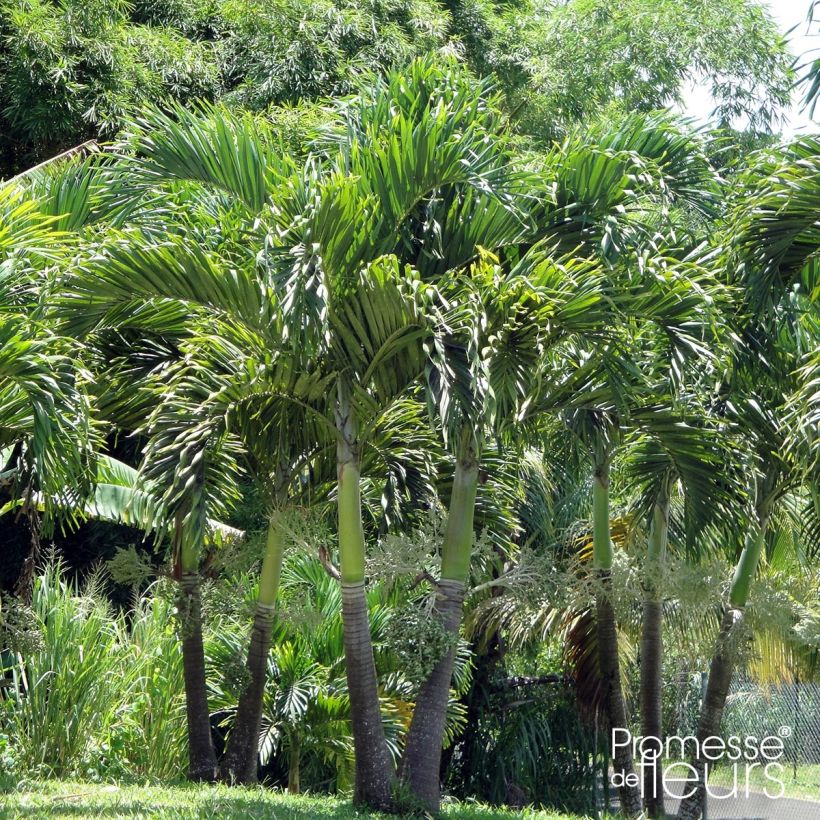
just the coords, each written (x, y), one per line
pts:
(787, 14)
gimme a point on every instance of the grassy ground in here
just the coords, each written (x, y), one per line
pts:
(55, 799)
(805, 784)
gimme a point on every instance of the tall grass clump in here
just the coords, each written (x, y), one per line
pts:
(154, 721)
(101, 694)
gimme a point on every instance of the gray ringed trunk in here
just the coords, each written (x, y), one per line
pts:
(374, 766)
(239, 762)
(717, 689)
(420, 766)
(613, 695)
(201, 756)
(651, 703)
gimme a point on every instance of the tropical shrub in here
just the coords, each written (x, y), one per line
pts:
(527, 744)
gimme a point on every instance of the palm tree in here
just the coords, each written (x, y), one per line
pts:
(587, 186)
(477, 384)
(189, 536)
(439, 128)
(671, 455)
(327, 291)
(624, 416)
(85, 198)
(672, 448)
(196, 486)
(267, 411)
(771, 249)
(458, 389)
(599, 210)
(677, 451)
(599, 429)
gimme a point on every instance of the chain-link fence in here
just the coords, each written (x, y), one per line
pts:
(789, 710)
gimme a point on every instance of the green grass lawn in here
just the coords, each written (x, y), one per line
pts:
(805, 784)
(54, 799)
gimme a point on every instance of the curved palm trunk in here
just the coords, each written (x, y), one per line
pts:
(608, 660)
(201, 756)
(722, 665)
(420, 767)
(374, 766)
(239, 763)
(652, 656)
(717, 689)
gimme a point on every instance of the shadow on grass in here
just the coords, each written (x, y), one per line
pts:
(239, 806)
(196, 802)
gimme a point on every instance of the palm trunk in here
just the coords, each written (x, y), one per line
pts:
(652, 656)
(24, 585)
(294, 758)
(422, 754)
(374, 766)
(239, 763)
(717, 689)
(722, 665)
(201, 756)
(650, 695)
(608, 661)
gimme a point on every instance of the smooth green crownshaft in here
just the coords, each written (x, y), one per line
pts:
(659, 529)
(349, 503)
(601, 542)
(351, 534)
(747, 565)
(458, 534)
(271, 562)
(189, 549)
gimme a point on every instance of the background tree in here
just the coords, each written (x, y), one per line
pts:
(48, 437)
(74, 71)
